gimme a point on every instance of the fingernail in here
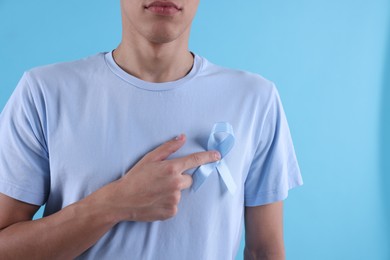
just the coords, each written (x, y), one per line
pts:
(179, 137)
(217, 155)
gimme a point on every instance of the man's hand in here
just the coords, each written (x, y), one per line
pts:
(151, 190)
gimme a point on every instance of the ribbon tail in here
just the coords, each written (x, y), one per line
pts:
(201, 174)
(226, 176)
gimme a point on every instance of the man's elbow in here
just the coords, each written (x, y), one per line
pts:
(264, 253)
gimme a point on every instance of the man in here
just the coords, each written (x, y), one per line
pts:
(85, 138)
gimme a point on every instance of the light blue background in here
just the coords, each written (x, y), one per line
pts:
(331, 62)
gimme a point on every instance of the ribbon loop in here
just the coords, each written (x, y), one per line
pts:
(222, 140)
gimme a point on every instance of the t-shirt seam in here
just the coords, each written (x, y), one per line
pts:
(259, 145)
(20, 188)
(156, 90)
(266, 114)
(28, 85)
(275, 191)
(291, 185)
(119, 76)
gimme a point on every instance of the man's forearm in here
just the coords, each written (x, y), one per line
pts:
(149, 191)
(63, 235)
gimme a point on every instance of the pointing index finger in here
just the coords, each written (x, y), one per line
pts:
(197, 159)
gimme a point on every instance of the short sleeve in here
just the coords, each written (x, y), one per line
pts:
(24, 159)
(274, 169)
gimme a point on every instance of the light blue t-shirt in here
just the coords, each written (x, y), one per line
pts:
(71, 128)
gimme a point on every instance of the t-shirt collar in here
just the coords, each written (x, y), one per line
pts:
(152, 86)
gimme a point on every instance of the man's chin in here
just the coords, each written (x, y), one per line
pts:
(162, 38)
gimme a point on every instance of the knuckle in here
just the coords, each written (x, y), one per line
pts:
(197, 159)
(163, 215)
(189, 180)
(171, 168)
(172, 211)
(174, 199)
(176, 184)
(168, 212)
(213, 156)
(177, 197)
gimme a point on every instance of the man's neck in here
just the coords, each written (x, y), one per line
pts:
(154, 62)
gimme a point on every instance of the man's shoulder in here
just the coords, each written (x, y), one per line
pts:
(236, 77)
(69, 69)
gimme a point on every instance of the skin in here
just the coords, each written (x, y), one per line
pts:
(264, 232)
(72, 230)
(153, 48)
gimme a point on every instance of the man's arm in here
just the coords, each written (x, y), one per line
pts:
(149, 191)
(264, 232)
(63, 235)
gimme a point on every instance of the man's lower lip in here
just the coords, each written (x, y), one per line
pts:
(162, 10)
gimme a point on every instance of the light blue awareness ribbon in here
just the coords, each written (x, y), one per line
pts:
(221, 139)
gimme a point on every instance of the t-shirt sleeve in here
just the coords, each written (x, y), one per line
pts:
(274, 169)
(24, 158)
